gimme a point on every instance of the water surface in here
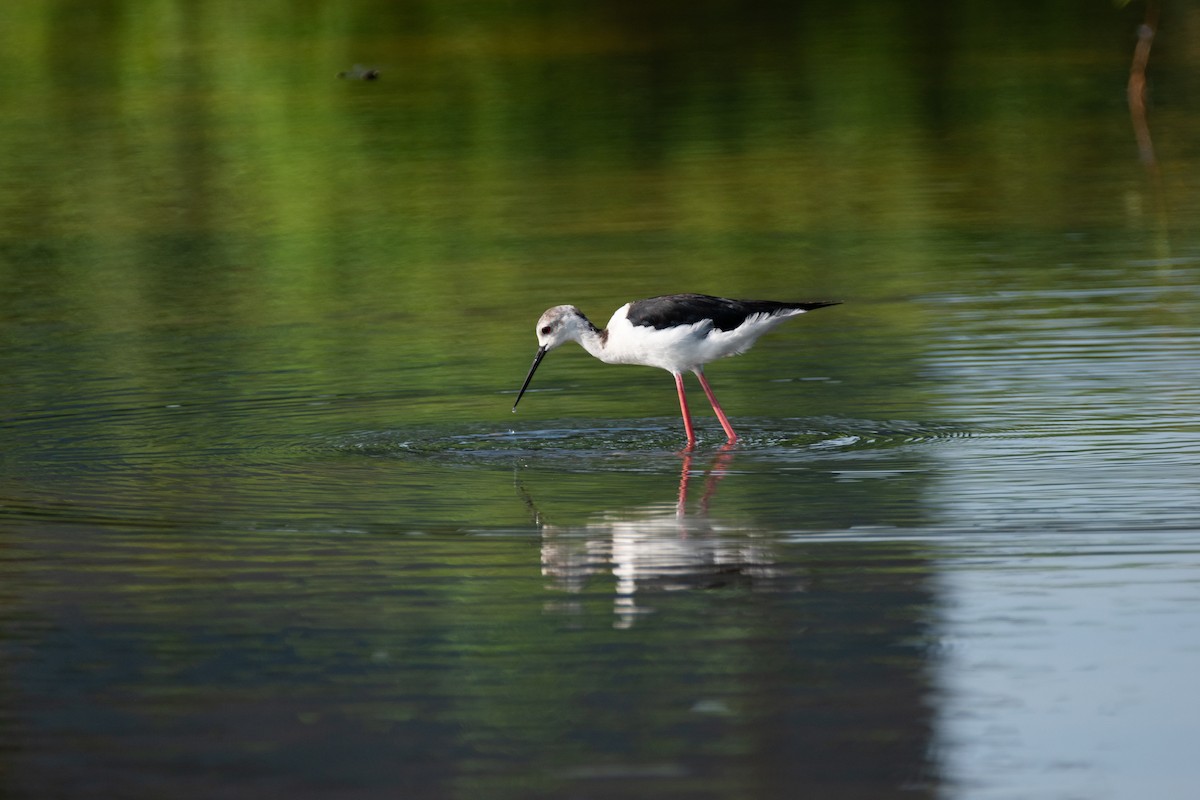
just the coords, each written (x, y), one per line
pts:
(268, 526)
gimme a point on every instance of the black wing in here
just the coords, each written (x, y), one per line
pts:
(687, 309)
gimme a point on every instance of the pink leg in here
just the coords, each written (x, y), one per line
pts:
(712, 399)
(687, 417)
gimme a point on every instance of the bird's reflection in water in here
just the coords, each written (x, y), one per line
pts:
(656, 548)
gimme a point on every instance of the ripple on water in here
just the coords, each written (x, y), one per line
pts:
(255, 463)
(627, 446)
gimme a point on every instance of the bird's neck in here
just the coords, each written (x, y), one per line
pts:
(592, 339)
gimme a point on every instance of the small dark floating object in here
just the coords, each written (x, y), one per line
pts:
(359, 73)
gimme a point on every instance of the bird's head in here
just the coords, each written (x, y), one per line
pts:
(560, 325)
(555, 327)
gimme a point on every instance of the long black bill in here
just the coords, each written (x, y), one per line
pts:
(541, 353)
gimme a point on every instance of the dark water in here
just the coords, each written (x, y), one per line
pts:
(268, 527)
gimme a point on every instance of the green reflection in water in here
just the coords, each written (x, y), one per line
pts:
(196, 215)
(189, 167)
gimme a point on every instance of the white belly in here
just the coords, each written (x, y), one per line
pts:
(681, 348)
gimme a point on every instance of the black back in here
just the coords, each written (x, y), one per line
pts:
(686, 309)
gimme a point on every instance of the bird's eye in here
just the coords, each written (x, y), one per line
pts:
(546, 330)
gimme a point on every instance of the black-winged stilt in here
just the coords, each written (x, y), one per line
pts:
(675, 332)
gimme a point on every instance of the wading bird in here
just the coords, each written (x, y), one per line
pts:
(675, 332)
